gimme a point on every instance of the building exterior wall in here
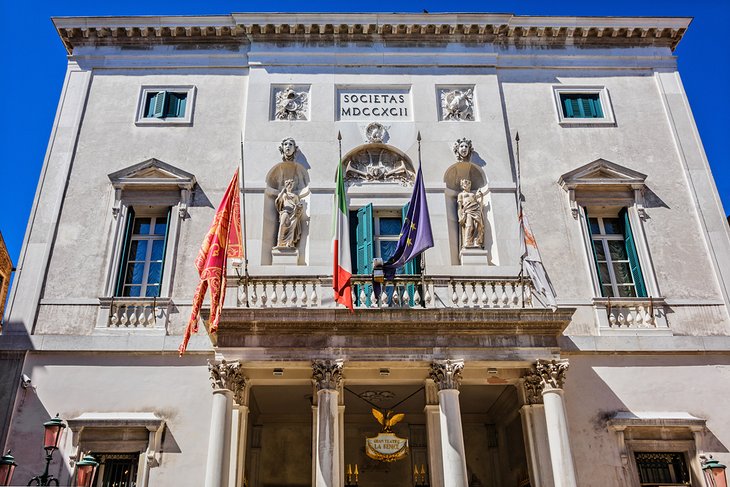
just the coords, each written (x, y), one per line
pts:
(79, 364)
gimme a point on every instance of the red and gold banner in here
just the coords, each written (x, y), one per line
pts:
(222, 241)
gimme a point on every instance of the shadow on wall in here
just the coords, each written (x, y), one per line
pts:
(613, 382)
(26, 440)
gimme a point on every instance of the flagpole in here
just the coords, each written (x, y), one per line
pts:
(521, 275)
(423, 254)
(245, 219)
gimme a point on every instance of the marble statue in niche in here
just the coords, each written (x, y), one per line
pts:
(471, 218)
(457, 104)
(463, 149)
(291, 104)
(288, 149)
(290, 209)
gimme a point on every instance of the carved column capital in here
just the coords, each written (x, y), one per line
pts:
(546, 375)
(552, 373)
(327, 374)
(228, 375)
(447, 374)
(532, 382)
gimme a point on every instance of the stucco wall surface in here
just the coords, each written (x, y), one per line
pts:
(175, 389)
(599, 385)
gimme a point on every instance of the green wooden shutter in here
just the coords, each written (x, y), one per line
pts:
(571, 107)
(633, 256)
(176, 105)
(595, 255)
(159, 102)
(164, 249)
(364, 238)
(129, 227)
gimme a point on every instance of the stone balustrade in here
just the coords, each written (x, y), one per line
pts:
(403, 292)
(135, 313)
(631, 313)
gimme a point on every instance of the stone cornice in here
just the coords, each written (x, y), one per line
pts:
(461, 27)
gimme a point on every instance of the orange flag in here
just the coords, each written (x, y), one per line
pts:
(222, 241)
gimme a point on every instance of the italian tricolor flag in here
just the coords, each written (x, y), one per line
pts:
(341, 245)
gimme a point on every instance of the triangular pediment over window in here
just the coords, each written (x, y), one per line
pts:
(152, 173)
(602, 173)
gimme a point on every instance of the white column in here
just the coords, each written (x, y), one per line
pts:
(433, 430)
(534, 430)
(216, 471)
(239, 434)
(447, 376)
(552, 374)
(225, 378)
(327, 375)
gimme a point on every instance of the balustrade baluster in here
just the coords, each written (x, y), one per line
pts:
(303, 296)
(454, 296)
(515, 297)
(495, 297)
(313, 298)
(274, 298)
(284, 295)
(429, 294)
(254, 296)
(114, 319)
(612, 320)
(264, 293)
(505, 298)
(417, 295)
(464, 294)
(484, 301)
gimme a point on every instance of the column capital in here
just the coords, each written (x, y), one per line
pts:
(229, 376)
(327, 374)
(545, 375)
(446, 374)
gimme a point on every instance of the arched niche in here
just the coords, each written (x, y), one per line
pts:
(377, 163)
(452, 179)
(275, 179)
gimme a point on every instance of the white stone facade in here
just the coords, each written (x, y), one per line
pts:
(645, 374)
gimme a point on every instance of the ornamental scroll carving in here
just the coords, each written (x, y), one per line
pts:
(327, 374)
(228, 375)
(546, 375)
(291, 104)
(447, 374)
(377, 163)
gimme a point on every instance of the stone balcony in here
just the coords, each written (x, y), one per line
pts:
(411, 319)
(403, 292)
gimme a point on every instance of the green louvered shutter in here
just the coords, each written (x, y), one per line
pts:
(595, 255)
(164, 247)
(125, 252)
(364, 248)
(176, 105)
(158, 103)
(572, 107)
(633, 256)
(364, 237)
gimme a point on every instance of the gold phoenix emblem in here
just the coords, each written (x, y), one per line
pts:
(386, 447)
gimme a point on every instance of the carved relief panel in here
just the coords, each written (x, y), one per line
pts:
(456, 103)
(290, 102)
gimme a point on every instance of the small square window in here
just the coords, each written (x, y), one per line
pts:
(575, 105)
(165, 105)
(583, 105)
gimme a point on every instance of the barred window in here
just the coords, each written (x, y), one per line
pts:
(661, 469)
(117, 470)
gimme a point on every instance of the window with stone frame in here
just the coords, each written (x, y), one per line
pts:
(143, 255)
(614, 253)
(165, 105)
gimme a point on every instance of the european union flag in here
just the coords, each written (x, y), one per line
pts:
(415, 234)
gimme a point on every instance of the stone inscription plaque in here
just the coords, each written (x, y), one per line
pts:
(374, 104)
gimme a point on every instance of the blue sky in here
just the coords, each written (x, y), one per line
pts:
(35, 63)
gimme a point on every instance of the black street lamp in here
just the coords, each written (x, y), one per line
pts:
(7, 467)
(52, 436)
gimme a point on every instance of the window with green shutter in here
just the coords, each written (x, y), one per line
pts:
(581, 105)
(143, 255)
(165, 104)
(615, 256)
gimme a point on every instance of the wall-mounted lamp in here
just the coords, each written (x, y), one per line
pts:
(714, 472)
(53, 430)
(7, 467)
